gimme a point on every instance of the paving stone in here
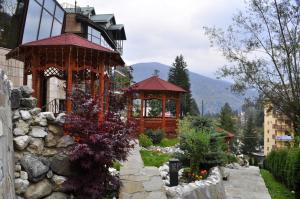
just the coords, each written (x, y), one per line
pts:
(154, 184)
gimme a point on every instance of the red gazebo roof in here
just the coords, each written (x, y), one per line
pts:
(154, 83)
(68, 39)
(64, 40)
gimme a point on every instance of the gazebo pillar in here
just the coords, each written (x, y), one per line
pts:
(92, 85)
(129, 111)
(177, 107)
(36, 79)
(164, 112)
(142, 125)
(101, 93)
(69, 65)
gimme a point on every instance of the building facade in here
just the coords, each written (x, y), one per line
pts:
(278, 131)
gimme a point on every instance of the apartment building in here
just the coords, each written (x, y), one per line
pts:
(278, 132)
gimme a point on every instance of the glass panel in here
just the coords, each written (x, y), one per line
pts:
(153, 108)
(90, 37)
(32, 22)
(46, 24)
(89, 30)
(56, 28)
(95, 40)
(11, 13)
(136, 109)
(50, 6)
(59, 14)
(170, 108)
(40, 1)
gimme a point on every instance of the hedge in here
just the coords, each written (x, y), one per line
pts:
(284, 164)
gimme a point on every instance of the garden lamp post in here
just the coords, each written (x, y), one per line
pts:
(174, 166)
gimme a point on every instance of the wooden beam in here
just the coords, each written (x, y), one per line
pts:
(69, 65)
(101, 93)
(164, 98)
(142, 122)
(93, 94)
(35, 63)
(178, 107)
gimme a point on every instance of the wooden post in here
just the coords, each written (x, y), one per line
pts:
(35, 78)
(25, 75)
(129, 111)
(69, 66)
(177, 107)
(101, 93)
(164, 112)
(107, 94)
(142, 125)
(92, 85)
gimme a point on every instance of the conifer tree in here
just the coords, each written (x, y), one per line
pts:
(249, 138)
(226, 118)
(179, 76)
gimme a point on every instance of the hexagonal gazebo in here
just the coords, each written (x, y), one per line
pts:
(71, 58)
(155, 104)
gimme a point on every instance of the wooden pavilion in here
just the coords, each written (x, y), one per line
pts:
(68, 57)
(168, 96)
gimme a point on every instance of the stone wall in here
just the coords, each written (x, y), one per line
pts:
(41, 163)
(212, 187)
(6, 149)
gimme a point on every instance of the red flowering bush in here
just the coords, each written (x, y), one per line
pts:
(96, 149)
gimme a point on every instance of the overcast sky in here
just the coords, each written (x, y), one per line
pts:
(158, 30)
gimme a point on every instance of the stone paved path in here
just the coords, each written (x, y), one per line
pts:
(140, 182)
(245, 183)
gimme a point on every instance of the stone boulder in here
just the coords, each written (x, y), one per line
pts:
(61, 118)
(21, 185)
(29, 103)
(60, 164)
(39, 190)
(16, 95)
(65, 141)
(57, 195)
(21, 142)
(25, 115)
(50, 140)
(22, 126)
(35, 111)
(35, 168)
(36, 146)
(48, 115)
(55, 129)
(38, 132)
(26, 91)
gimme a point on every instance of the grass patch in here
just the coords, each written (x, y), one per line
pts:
(276, 189)
(168, 142)
(154, 158)
(117, 165)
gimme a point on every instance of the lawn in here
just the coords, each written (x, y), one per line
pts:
(276, 189)
(154, 158)
(168, 142)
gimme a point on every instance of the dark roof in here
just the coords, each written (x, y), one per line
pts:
(154, 83)
(103, 18)
(118, 31)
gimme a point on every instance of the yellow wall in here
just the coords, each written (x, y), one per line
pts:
(274, 125)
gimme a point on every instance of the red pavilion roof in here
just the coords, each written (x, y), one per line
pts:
(154, 83)
(68, 39)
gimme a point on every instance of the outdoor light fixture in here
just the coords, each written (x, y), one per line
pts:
(174, 166)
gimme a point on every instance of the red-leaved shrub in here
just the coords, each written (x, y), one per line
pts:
(97, 147)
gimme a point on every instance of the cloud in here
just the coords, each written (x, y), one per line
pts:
(158, 30)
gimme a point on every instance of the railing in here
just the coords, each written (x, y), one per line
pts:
(56, 106)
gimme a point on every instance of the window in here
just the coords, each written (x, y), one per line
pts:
(96, 37)
(44, 19)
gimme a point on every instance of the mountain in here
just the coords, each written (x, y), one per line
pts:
(214, 93)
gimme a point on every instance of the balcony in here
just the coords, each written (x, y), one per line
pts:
(284, 138)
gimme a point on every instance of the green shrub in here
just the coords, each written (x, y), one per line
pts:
(155, 135)
(231, 158)
(284, 165)
(168, 142)
(117, 165)
(145, 141)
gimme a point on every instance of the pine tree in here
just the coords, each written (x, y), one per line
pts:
(179, 76)
(249, 138)
(194, 108)
(226, 118)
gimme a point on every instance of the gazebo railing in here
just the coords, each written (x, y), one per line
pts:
(56, 106)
